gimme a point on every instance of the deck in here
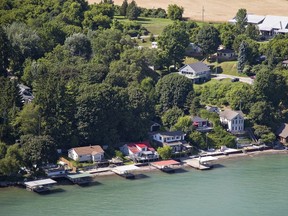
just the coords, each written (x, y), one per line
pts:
(166, 165)
(40, 186)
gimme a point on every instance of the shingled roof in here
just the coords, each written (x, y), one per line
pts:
(88, 150)
(197, 67)
(283, 130)
(230, 114)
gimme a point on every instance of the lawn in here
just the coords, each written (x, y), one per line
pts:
(227, 67)
(153, 25)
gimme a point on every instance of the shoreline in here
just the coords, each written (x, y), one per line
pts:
(221, 158)
(149, 168)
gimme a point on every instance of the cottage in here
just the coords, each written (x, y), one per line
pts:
(226, 54)
(87, 153)
(202, 125)
(198, 72)
(193, 50)
(25, 93)
(174, 139)
(282, 133)
(233, 119)
(140, 151)
(212, 109)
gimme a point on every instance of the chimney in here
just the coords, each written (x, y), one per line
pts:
(281, 25)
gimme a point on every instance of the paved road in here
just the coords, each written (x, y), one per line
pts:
(241, 79)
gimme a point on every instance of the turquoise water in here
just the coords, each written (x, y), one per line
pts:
(247, 186)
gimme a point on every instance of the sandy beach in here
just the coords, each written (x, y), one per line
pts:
(217, 10)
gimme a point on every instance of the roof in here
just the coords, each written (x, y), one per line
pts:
(198, 119)
(273, 22)
(175, 143)
(80, 175)
(196, 67)
(251, 18)
(133, 146)
(88, 150)
(171, 133)
(40, 182)
(165, 163)
(124, 169)
(285, 62)
(206, 159)
(283, 130)
(225, 51)
(230, 114)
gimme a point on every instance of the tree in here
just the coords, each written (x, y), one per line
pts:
(165, 152)
(172, 90)
(39, 150)
(171, 116)
(4, 52)
(79, 45)
(3, 150)
(208, 39)
(123, 8)
(28, 120)
(241, 20)
(242, 56)
(261, 113)
(252, 31)
(175, 12)
(132, 11)
(173, 41)
(183, 124)
(227, 34)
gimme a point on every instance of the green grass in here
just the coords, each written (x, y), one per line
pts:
(153, 25)
(227, 67)
(209, 83)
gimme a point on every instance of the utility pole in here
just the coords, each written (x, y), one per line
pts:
(202, 13)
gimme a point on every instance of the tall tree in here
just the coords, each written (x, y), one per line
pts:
(242, 56)
(4, 52)
(173, 41)
(241, 20)
(132, 12)
(123, 8)
(79, 45)
(172, 90)
(208, 39)
(175, 12)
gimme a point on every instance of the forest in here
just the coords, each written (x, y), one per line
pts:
(93, 85)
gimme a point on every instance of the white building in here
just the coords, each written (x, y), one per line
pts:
(233, 119)
(174, 139)
(139, 151)
(87, 153)
(198, 71)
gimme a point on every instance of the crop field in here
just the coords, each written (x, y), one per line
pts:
(217, 10)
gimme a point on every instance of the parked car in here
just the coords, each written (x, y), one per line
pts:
(235, 80)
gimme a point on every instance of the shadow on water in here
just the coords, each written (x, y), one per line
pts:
(90, 184)
(141, 176)
(181, 170)
(52, 191)
(218, 166)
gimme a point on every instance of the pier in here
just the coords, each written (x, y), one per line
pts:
(80, 178)
(166, 165)
(201, 163)
(40, 186)
(125, 171)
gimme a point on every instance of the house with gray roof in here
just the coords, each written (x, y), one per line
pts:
(174, 139)
(282, 133)
(273, 25)
(251, 19)
(198, 72)
(234, 120)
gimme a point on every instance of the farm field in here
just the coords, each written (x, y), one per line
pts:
(217, 10)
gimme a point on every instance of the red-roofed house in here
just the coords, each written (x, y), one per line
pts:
(87, 153)
(140, 151)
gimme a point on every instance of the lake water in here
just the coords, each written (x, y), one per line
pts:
(249, 186)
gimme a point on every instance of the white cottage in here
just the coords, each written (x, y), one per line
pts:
(198, 72)
(87, 153)
(233, 119)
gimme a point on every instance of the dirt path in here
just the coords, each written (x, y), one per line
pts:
(217, 10)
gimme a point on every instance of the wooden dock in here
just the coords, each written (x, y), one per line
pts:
(201, 163)
(125, 171)
(40, 186)
(166, 165)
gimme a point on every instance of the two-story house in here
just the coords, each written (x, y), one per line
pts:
(140, 151)
(174, 139)
(198, 72)
(233, 119)
(87, 153)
